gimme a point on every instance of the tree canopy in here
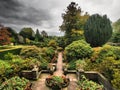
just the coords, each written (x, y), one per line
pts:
(27, 33)
(4, 36)
(73, 19)
(97, 30)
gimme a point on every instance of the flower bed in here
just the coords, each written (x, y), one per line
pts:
(57, 81)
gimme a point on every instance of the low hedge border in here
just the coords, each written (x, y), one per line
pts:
(15, 51)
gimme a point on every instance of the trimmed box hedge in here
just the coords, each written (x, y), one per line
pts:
(15, 51)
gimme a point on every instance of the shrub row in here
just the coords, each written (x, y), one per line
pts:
(15, 51)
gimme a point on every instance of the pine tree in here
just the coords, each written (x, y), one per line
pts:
(97, 30)
(38, 37)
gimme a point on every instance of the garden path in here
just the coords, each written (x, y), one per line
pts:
(40, 84)
(59, 71)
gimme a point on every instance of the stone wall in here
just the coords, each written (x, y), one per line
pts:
(95, 76)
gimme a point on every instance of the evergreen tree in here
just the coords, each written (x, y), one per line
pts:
(97, 30)
(72, 20)
(38, 37)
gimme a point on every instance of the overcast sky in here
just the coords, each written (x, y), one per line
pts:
(46, 14)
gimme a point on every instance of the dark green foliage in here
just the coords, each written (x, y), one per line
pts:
(44, 64)
(48, 53)
(78, 50)
(27, 33)
(8, 56)
(15, 51)
(38, 37)
(73, 18)
(97, 30)
(44, 34)
(61, 42)
(72, 65)
(116, 37)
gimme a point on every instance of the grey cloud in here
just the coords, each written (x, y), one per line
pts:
(16, 12)
(46, 14)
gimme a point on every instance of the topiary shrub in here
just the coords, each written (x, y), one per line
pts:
(30, 51)
(78, 50)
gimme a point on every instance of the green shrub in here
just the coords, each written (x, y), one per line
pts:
(109, 51)
(80, 64)
(19, 64)
(8, 56)
(15, 83)
(52, 43)
(85, 84)
(72, 65)
(117, 53)
(116, 80)
(78, 50)
(44, 64)
(5, 69)
(48, 53)
(59, 49)
(30, 51)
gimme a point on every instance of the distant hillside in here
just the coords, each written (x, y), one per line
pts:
(116, 26)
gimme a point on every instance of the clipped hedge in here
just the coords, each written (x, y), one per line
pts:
(15, 51)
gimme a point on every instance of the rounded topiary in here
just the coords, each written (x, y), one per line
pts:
(78, 50)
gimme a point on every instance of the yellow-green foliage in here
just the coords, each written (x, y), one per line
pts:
(30, 51)
(78, 50)
(107, 62)
(52, 43)
(116, 80)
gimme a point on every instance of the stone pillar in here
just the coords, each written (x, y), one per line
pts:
(80, 72)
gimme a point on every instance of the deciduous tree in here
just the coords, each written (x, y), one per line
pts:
(73, 18)
(4, 36)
